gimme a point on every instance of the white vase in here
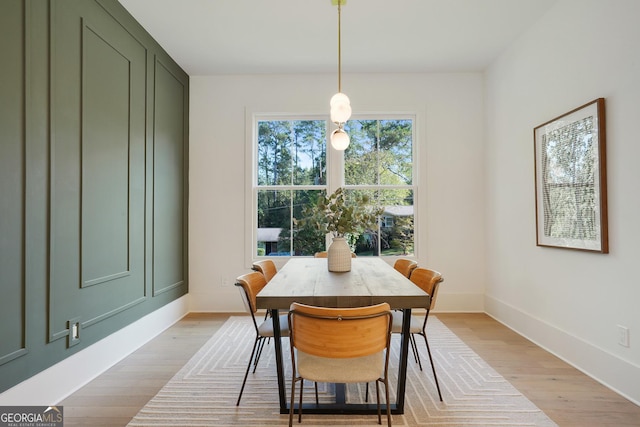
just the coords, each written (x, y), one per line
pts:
(339, 255)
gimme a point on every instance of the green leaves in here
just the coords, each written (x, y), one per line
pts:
(338, 215)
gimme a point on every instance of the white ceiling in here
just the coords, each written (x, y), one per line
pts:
(208, 37)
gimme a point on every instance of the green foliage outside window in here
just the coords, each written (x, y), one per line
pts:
(292, 178)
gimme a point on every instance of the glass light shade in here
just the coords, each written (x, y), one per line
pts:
(339, 98)
(340, 112)
(339, 139)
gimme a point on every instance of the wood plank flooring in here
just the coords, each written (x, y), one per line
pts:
(565, 394)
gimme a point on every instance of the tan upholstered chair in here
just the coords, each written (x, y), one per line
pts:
(250, 284)
(429, 281)
(405, 266)
(267, 267)
(340, 345)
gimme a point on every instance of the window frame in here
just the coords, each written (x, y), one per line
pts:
(334, 172)
(381, 187)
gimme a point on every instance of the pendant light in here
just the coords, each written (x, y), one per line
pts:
(340, 104)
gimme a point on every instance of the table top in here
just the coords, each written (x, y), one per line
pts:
(370, 281)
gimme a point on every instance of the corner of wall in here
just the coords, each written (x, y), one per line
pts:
(619, 375)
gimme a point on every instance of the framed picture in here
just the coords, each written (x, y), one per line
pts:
(571, 180)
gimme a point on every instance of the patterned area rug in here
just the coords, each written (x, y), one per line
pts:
(205, 390)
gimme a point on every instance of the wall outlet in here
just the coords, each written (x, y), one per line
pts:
(623, 336)
(73, 325)
(224, 282)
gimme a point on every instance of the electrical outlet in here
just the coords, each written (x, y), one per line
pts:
(623, 336)
(73, 325)
(224, 282)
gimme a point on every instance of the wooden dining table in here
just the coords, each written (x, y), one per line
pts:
(370, 281)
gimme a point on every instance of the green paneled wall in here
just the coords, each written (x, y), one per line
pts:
(93, 174)
(168, 162)
(12, 183)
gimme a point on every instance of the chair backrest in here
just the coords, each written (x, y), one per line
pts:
(429, 281)
(267, 267)
(340, 332)
(251, 284)
(405, 266)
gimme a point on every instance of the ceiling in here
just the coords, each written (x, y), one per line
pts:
(208, 37)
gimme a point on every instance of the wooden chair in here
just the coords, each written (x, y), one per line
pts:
(429, 281)
(405, 266)
(267, 267)
(250, 284)
(340, 345)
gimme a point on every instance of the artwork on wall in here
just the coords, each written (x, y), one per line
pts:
(571, 180)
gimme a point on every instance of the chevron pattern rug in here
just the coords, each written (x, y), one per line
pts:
(204, 391)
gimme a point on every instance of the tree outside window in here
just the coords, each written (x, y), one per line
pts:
(379, 161)
(291, 172)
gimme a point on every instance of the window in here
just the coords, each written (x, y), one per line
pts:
(290, 171)
(379, 161)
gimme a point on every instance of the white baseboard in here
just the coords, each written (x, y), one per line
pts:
(619, 375)
(52, 385)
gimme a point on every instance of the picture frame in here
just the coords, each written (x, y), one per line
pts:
(571, 180)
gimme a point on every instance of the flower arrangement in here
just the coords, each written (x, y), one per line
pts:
(336, 215)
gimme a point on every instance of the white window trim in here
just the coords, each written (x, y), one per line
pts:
(335, 169)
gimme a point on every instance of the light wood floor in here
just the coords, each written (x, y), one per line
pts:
(566, 395)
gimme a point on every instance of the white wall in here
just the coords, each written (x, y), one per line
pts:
(568, 301)
(450, 122)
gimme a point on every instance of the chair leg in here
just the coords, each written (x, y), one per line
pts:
(266, 316)
(433, 368)
(386, 395)
(378, 401)
(300, 403)
(414, 347)
(253, 350)
(293, 398)
(316, 386)
(258, 354)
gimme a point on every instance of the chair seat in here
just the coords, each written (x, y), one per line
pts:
(329, 370)
(414, 328)
(266, 328)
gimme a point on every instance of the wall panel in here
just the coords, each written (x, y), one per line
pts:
(97, 253)
(12, 185)
(83, 124)
(168, 176)
(105, 160)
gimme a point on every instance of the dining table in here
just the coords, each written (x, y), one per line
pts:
(371, 281)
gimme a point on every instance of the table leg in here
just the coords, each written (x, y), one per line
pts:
(404, 354)
(277, 344)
